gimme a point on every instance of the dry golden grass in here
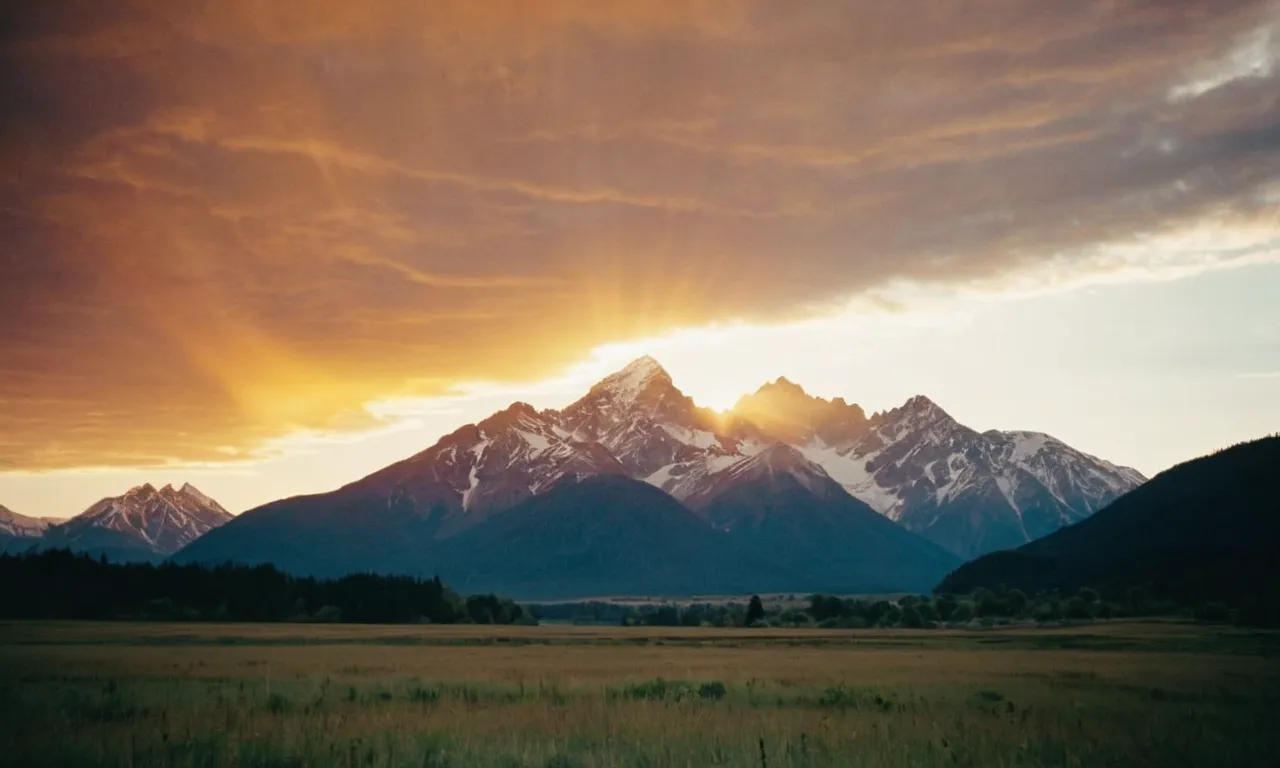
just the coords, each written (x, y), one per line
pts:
(1122, 695)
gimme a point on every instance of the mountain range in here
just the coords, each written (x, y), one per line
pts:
(144, 524)
(1203, 530)
(636, 488)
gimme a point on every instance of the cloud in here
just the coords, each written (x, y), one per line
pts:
(1252, 56)
(228, 222)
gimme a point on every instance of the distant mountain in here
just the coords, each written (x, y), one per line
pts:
(143, 524)
(1206, 529)
(19, 532)
(637, 424)
(967, 491)
(14, 524)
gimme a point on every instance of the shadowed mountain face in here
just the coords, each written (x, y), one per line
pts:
(788, 509)
(1202, 530)
(601, 536)
(826, 461)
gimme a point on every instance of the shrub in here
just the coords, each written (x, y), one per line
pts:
(1016, 600)
(944, 606)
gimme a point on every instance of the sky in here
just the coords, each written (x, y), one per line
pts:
(268, 248)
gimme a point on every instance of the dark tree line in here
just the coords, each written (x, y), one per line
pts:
(981, 608)
(62, 585)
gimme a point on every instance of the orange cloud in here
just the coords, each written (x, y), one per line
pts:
(225, 221)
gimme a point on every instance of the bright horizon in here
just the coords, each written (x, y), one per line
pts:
(715, 366)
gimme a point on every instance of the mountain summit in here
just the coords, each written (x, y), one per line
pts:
(784, 411)
(143, 524)
(781, 461)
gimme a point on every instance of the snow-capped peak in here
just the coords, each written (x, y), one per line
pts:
(628, 384)
(162, 521)
(921, 404)
(193, 492)
(642, 366)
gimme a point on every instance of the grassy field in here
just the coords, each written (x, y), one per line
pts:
(282, 695)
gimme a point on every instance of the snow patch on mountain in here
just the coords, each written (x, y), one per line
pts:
(477, 452)
(14, 524)
(851, 472)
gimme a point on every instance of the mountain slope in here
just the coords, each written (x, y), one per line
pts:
(142, 524)
(19, 533)
(389, 520)
(966, 491)
(14, 524)
(606, 535)
(490, 467)
(350, 530)
(790, 511)
(1206, 529)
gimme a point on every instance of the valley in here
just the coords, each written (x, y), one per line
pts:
(1122, 694)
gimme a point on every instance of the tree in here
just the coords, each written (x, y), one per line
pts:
(1088, 595)
(1017, 602)
(911, 618)
(962, 613)
(755, 610)
(944, 605)
(988, 603)
(877, 611)
(823, 607)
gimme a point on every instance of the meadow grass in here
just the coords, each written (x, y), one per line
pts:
(1154, 694)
